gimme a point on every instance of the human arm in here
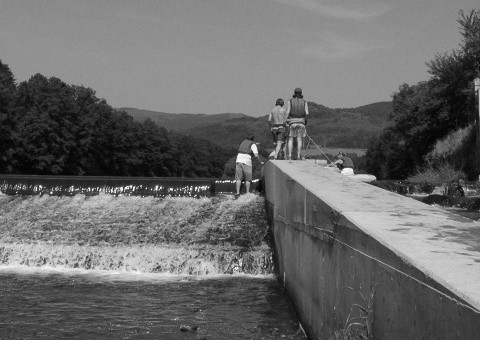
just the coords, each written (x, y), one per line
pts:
(306, 112)
(287, 113)
(336, 163)
(255, 153)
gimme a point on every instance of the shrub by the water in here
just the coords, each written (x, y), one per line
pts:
(448, 154)
(442, 174)
(447, 147)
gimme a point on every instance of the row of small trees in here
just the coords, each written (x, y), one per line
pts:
(48, 127)
(430, 110)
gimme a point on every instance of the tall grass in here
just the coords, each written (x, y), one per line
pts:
(437, 174)
(447, 160)
(447, 147)
(358, 325)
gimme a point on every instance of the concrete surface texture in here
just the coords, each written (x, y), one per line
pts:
(339, 241)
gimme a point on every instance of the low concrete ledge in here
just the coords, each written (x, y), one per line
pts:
(341, 244)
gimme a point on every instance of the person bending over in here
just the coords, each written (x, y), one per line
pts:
(243, 167)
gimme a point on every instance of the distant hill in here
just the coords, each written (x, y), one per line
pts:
(344, 128)
(180, 121)
(376, 112)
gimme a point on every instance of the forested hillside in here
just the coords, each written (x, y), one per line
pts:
(49, 127)
(347, 128)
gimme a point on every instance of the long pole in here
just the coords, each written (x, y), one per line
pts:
(477, 93)
(477, 101)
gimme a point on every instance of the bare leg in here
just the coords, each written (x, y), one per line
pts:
(299, 148)
(247, 185)
(277, 150)
(238, 184)
(290, 147)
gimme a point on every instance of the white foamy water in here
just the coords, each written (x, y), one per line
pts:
(205, 236)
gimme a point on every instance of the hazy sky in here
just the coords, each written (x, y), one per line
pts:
(215, 56)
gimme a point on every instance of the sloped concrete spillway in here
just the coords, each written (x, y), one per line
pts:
(152, 225)
(357, 258)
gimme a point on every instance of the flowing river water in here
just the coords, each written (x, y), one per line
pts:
(131, 267)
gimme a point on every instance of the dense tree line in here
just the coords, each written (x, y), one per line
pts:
(48, 127)
(429, 110)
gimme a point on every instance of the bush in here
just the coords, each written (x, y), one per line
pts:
(448, 147)
(441, 174)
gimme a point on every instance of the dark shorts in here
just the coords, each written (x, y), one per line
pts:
(278, 135)
(243, 172)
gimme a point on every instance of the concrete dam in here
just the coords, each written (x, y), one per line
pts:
(355, 258)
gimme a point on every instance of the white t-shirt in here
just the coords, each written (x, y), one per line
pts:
(245, 158)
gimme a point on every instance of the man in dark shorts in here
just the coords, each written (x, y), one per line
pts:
(277, 119)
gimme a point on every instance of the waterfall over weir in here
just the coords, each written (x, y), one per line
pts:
(130, 258)
(145, 226)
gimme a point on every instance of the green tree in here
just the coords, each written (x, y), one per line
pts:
(7, 94)
(45, 125)
(49, 127)
(428, 111)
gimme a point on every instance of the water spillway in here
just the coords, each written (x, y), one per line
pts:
(180, 235)
(361, 261)
(164, 225)
(89, 260)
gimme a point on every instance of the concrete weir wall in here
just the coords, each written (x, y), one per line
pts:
(348, 252)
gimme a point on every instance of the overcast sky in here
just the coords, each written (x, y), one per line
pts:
(215, 56)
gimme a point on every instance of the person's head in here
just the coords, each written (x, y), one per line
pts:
(340, 154)
(297, 93)
(279, 102)
(251, 137)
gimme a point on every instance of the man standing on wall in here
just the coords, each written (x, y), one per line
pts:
(277, 119)
(297, 112)
(243, 167)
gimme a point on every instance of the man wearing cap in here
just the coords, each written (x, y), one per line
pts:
(297, 112)
(344, 163)
(243, 167)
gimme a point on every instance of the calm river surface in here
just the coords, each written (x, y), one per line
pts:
(47, 303)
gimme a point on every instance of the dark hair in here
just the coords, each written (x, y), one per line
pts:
(251, 137)
(297, 93)
(279, 102)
